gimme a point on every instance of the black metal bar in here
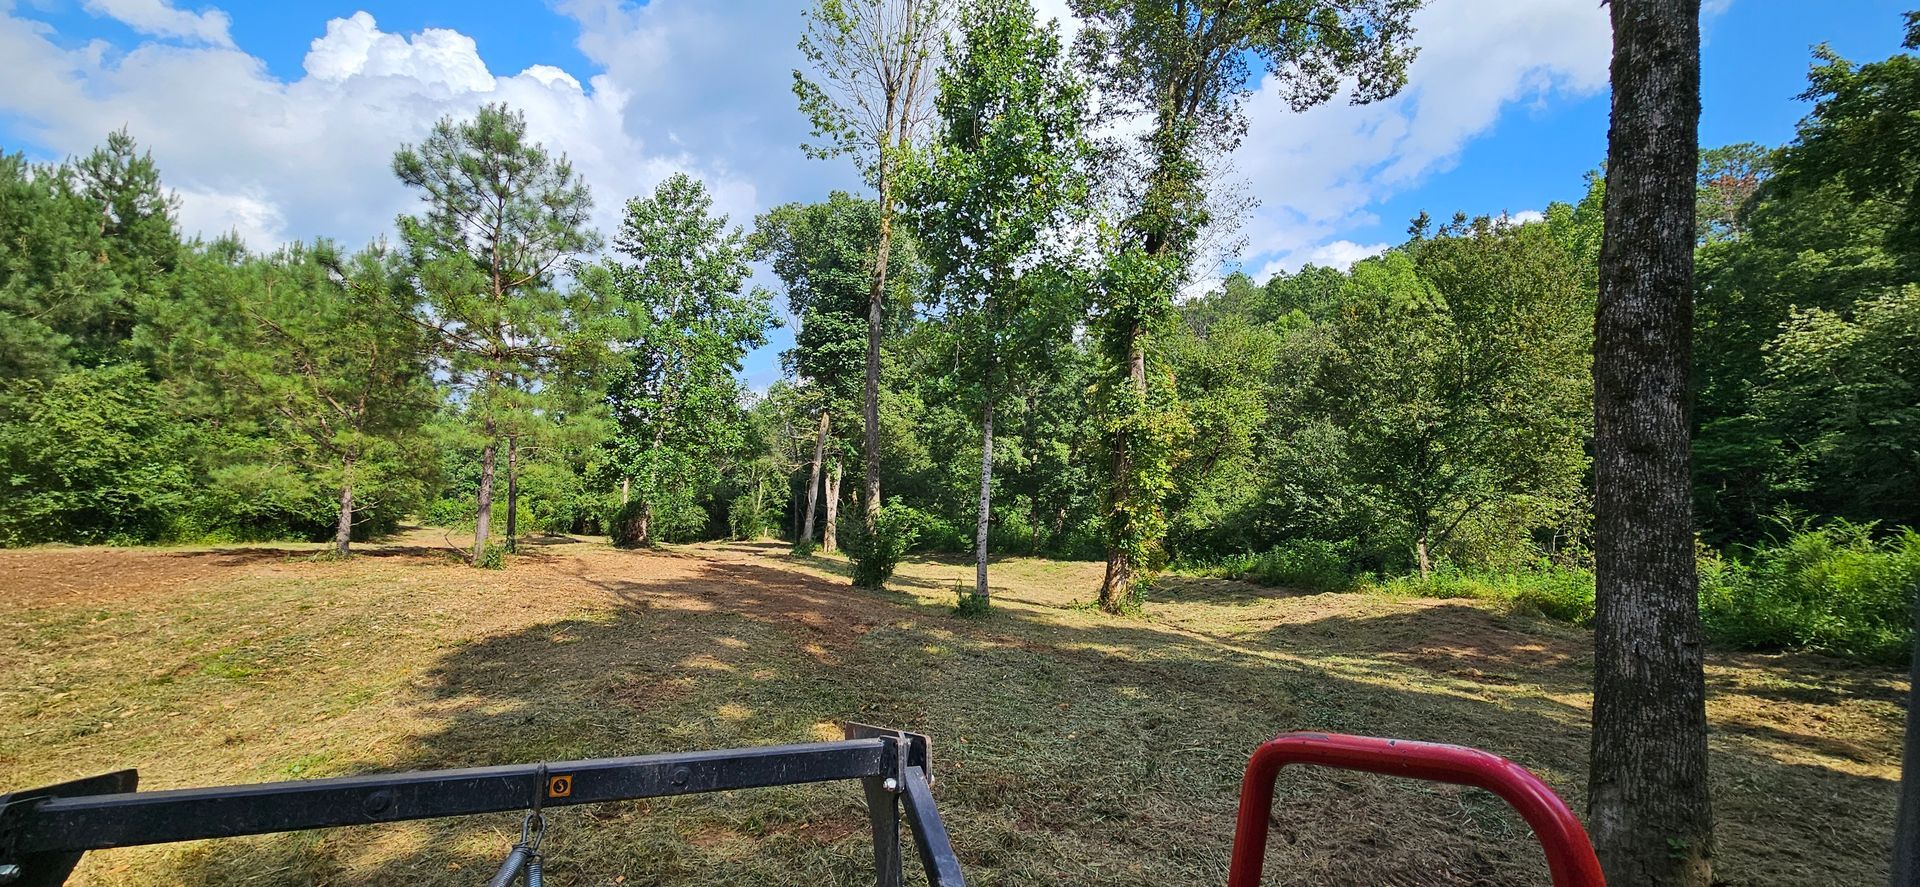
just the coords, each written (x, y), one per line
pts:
(126, 819)
(929, 833)
(883, 811)
(49, 868)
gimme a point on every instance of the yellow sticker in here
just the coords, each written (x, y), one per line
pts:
(559, 786)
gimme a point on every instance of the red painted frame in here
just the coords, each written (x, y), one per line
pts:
(1569, 853)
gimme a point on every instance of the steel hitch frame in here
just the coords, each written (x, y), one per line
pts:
(44, 831)
(1570, 857)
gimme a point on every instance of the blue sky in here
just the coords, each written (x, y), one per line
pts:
(276, 119)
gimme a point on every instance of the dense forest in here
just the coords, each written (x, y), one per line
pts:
(995, 343)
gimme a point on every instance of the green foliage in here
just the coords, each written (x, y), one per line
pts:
(969, 605)
(54, 295)
(94, 455)
(1458, 373)
(1556, 592)
(492, 557)
(1305, 564)
(682, 324)
(876, 552)
(1832, 588)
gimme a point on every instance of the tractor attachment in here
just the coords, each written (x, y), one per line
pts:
(44, 831)
(1570, 857)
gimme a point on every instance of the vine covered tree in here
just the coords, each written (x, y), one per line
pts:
(876, 61)
(1648, 805)
(1186, 66)
(501, 217)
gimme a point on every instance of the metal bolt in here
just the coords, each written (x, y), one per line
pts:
(892, 784)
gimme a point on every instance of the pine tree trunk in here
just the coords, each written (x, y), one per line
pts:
(513, 493)
(483, 518)
(813, 476)
(1906, 825)
(986, 494)
(876, 301)
(830, 531)
(343, 532)
(1116, 587)
(1648, 805)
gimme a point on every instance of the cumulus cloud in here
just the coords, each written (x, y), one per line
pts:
(276, 159)
(160, 18)
(1319, 174)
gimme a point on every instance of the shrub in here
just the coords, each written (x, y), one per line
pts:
(492, 557)
(969, 605)
(1307, 564)
(932, 532)
(876, 553)
(805, 547)
(1832, 588)
(1553, 591)
(624, 529)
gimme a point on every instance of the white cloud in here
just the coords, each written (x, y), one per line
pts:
(1526, 216)
(276, 159)
(159, 18)
(1319, 174)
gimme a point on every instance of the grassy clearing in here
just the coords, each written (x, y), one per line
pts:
(1071, 747)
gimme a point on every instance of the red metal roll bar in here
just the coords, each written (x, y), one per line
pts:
(1569, 854)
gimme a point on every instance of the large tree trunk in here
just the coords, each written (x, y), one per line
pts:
(483, 518)
(343, 531)
(876, 302)
(1906, 824)
(813, 477)
(1116, 587)
(830, 530)
(1423, 556)
(986, 500)
(513, 493)
(1648, 804)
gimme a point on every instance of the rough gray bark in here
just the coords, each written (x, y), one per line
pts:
(986, 494)
(830, 531)
(813, 477)
(483, 518)
(876, 300)
(513, 494)
(343, 532)
(1648, 809)
(1905, 871)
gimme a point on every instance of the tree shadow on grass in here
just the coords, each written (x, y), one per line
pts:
(1069, 749)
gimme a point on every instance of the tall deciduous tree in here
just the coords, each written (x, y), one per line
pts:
(995, 204)
(683, 323)
(1186, 66)
(1458, 373)
(501, 217)
(1648, 804)
(823, 254)
(876, 61)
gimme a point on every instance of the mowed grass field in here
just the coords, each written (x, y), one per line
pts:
(1070, 747)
